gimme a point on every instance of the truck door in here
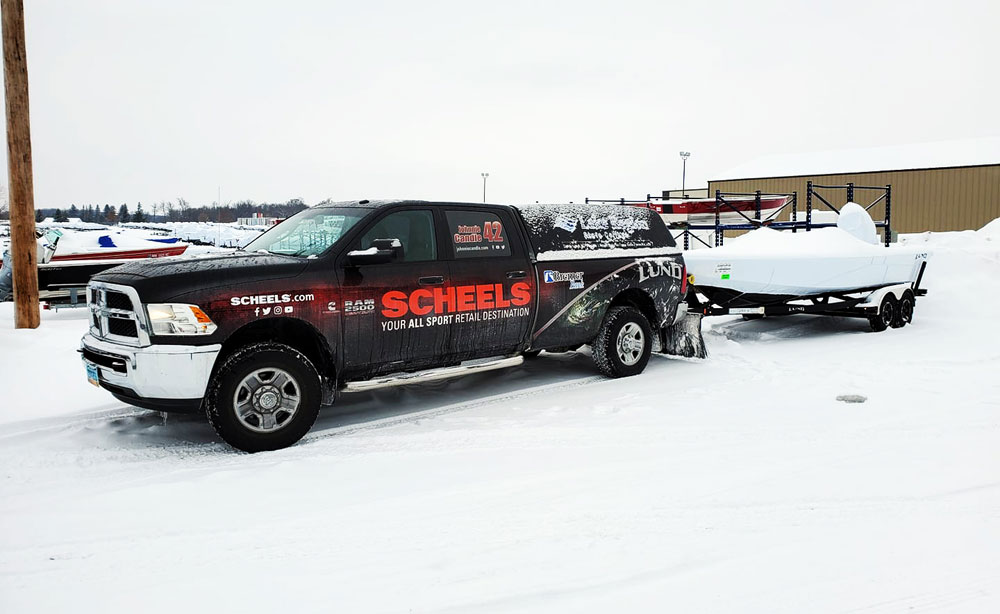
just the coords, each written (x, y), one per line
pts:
(385, 305)
(494, 283)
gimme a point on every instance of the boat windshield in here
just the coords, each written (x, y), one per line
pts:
(309, 233)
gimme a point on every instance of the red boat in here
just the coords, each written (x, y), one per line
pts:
(702, 210)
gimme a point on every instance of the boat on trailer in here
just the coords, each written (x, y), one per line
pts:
(839, 270)
(68, 258)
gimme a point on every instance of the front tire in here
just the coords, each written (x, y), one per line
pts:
(623, 343)
(265, 396)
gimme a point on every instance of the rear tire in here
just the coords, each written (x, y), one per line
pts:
(265, 396)
(886, 315)
(623, 343)
(904, 315)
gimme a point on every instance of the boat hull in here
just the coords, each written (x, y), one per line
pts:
(122, 254)
(56, 275)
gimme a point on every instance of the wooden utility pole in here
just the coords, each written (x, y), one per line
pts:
(23, 248)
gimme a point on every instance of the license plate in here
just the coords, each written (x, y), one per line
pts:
(92, 376)
(746, 310)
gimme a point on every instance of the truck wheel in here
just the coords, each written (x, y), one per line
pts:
(886, 315)
(623, 344)
(904, 315)
(265, 396)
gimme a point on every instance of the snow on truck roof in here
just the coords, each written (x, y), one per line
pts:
(569, 232)
(941, 154)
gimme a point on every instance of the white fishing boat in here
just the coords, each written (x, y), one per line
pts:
(767, 266)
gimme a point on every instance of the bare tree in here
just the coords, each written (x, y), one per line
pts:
(183, 205)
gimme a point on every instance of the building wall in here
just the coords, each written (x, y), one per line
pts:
(960, 198)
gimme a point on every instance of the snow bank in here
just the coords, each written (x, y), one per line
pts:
(991, 231)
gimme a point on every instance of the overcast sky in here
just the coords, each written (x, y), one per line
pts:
(144, 101)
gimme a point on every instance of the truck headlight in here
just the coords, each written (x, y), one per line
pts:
(179, 319)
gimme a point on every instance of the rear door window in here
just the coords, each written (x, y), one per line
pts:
(477, 234)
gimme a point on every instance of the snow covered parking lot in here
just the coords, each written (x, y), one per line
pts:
(735, 484)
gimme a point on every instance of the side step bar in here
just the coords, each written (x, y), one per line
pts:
(466, 367)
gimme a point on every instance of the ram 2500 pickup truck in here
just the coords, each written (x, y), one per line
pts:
(349, 292)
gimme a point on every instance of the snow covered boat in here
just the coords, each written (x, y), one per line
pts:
(766, 266)
(702, 210)
(69, 258)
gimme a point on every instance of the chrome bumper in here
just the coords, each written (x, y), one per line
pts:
(155, 371)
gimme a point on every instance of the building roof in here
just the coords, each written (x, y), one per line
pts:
(940, 154)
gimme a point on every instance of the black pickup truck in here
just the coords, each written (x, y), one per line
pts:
(350, 292)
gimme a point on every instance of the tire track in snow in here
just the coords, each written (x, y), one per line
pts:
(436, 412)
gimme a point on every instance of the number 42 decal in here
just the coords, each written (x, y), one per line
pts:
(491, 231)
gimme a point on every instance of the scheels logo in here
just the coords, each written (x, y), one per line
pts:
(452, 299)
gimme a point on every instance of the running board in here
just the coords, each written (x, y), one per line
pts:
(430, 375)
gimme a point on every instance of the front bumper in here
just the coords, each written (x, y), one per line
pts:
(163, 377)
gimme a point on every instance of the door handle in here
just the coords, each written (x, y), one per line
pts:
(432, 280)
(516, 274)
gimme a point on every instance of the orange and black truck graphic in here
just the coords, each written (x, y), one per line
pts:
(363, 289)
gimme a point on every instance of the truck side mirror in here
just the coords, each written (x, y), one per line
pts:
(382, 251)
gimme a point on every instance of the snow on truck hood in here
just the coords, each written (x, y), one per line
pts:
(160, 279)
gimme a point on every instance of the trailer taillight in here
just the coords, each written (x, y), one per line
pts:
(684, 281)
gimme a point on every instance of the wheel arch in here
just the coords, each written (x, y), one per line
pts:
(294, 333)
(639, 299)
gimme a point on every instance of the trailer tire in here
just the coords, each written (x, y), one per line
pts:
(886, 315)
(277, 388)
(624, 342)
(904, 315)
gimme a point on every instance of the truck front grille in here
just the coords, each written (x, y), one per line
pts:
(119, 300)
(115, 314)
(122, 327)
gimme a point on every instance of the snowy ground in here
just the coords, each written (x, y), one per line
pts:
(735, 484)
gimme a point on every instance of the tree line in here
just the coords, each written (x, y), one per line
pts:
(171, 211)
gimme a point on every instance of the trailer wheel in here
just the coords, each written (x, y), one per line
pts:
(623, 343)
(265, 396)
(905, 312)
(886, 315)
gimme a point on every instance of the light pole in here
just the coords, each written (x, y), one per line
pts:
(484, 176)
(684, 156)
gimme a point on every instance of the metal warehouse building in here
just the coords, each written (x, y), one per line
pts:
(936, 186)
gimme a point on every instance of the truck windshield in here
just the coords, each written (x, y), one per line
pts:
(308, 233)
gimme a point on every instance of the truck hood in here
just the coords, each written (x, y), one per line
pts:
(162, 280)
